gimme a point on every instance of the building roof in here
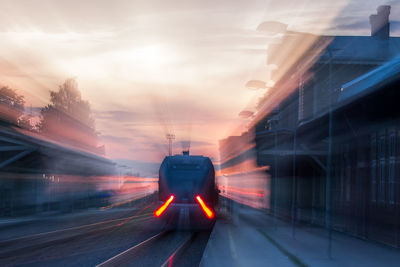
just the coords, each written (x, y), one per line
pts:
(363, 86)
(30, 153)
(361, 49)
(369, 82)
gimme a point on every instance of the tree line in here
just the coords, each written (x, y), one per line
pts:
(67, 118)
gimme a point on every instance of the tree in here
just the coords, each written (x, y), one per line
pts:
(25, 122)
(68, 118)
(11, 105)
(68, 101)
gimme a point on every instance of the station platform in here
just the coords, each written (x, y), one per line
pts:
(254, 238)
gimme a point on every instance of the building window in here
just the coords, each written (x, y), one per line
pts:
(391, 181)
(373, 181)
(342, 176)
(373, 147)
(315, 98)
(382, 196)
(373, 168)
(382, 165)
(347, 174)
(301, 102)
(392, 164)
(381, 147)
(392, 145)
(348, 182)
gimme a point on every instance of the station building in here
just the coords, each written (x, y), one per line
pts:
(328, 131)
(40, 175)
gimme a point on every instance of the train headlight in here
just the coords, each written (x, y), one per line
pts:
(161, 209)
(204, 207)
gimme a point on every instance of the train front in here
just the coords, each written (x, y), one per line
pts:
(187, 192)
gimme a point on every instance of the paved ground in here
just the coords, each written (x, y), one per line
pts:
(253, 238)
(241, 245)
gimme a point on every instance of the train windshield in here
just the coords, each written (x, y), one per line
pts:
(185, 180)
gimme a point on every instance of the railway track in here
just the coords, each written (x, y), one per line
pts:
(166, 248)
(18, 245)
(138, 237)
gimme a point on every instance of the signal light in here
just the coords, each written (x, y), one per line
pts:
(161, 209)
(206, 209)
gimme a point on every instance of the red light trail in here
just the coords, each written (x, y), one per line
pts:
(161, 209)
(206, 210)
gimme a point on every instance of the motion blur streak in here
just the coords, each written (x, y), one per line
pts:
(127, 189)
(206, 210)
(136, 214)
(240, 178)
(249, 191)
(161, 209)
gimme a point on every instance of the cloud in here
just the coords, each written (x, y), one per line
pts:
(395, 28)
(154, 67)
(146, 169)
(356, 26)
(117, 139)
(116, 115)
(197, 143)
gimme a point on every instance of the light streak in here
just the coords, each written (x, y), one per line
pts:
(206, 210)
(161, 209)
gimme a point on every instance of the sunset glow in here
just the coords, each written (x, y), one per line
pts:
(150, 69)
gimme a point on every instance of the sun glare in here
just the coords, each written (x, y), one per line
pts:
(150, 56)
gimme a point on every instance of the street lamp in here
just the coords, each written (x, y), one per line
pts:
(272, 27)
(245, 114)
(328, 200)
(170, 137)
(256, 84)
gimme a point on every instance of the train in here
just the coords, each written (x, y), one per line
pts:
(187, 192)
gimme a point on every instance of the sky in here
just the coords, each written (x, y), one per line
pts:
(149, 68)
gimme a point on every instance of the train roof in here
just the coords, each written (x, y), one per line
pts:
(186, 159)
